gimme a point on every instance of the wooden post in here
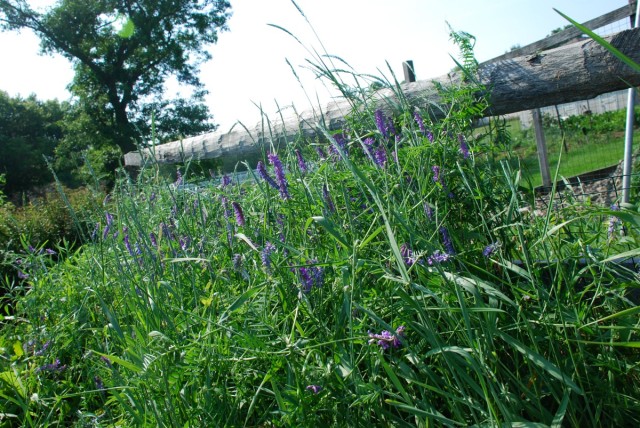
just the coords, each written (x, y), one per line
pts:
(409, 72)
(541, 143)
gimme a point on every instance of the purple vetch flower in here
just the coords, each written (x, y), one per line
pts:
(53, 367)
(281, 179)
(125, 238)
(321, 153)
(490, 249)
(301, 163)
(99, 384)
(184, 243)
(95, 231)
(464, 148)
(22, 275)
(446, 241)
(420, 122)
(428, 210)
(380, 157)
(311, 276)
(265, 255)
(49, 251)
(166, 232)
(314, 388)
(327, 198)
(179, 178)
(226, 181)
(262, 172)
(367, 147)
(408, 255)
(613, 221)
(381, 123)
(436, 173)
(44, 348)
(153, 239)
(386, 339)
(438, 257)
(341, 142)
(225, 207)
(237, 209)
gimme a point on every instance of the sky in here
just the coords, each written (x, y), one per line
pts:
(249, 68)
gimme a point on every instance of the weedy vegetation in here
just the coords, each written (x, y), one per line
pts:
(395, 272)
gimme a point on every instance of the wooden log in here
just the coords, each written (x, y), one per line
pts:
(569, 73)
(569, 34)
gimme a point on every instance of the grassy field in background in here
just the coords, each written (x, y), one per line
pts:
(588, 149)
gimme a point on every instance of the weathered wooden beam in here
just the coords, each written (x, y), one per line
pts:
(568, 34)
(569, 73)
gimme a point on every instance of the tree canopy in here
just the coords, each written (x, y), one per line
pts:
(123, 52)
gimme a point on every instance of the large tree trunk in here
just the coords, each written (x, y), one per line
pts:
(570, 73)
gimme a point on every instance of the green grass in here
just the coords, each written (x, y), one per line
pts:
(596, 145)
(420, 291)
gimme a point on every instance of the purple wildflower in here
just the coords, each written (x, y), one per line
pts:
(237, 209)
(125, 238)
(386, 339)
(311, 276)
(301, 163)
(613, 221)
(99, 384)
(53, 367)
(314, 388)
(226, 181)
(184, 243)
(380, 157)
(408, 255)
(436, 173)
(179, 178)
(428, 210)
(22, 275)
(283, 185)
(262, 172)
(321, 153)
(265, 255)
(420, 122)
(49, 251)
(225, 207)
(44, 348)
(464, 148)
(327, 198)
(381, 123)
(341, 142)
(489, 249)
(154, 239)
(446, 241)
(438, 257)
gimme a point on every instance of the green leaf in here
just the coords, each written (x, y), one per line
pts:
(541, 362)
(17, 349)
(238, 303)
(124, 363)
(622, 57)
(127, 29)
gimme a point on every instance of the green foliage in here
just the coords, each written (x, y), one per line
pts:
(29, 130)
(118, 71)
(424, 290)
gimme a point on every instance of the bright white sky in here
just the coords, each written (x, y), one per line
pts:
(249, 61)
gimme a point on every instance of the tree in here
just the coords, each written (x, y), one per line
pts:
(123, 51)
(29, 130)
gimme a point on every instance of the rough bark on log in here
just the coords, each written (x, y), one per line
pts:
(569, 73)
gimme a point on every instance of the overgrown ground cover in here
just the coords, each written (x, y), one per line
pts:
(393, 273)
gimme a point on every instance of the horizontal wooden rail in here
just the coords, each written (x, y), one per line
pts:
(569, 73)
